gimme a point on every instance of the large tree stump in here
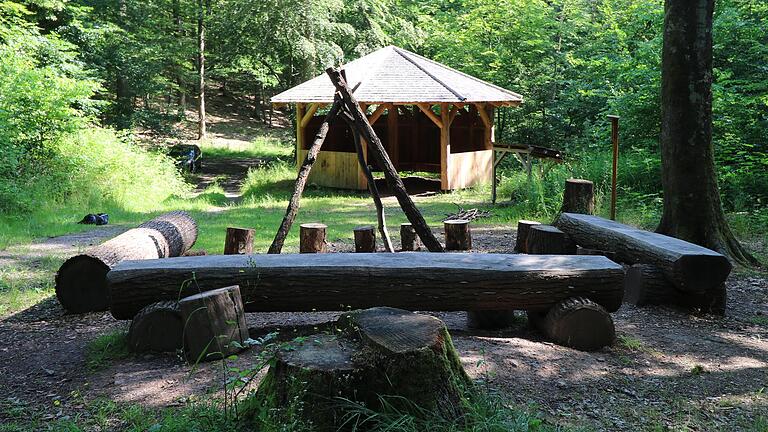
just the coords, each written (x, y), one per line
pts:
(548, 240)
(457, 235)
(365, 239)
(579, 196)
(81, 282)
(214, 324)
(523, 226)
(157, 327)
(312, 238)
(409, 241)
(578, 323)
(406, 358)
(239, 241)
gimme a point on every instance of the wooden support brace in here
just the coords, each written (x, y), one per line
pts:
(309, 114)
(431, 114)
(377, 113)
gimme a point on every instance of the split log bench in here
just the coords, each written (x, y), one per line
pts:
(332, 282)
(694, 276)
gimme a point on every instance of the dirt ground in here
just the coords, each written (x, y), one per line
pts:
(669, 369)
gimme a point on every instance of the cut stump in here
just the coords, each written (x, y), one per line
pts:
(312, 238)
(157, 328)
(523, 227)
(458, 236)
(365, 239)
(409, 241)
(579, 196)
(81, 282)
(214, 324)
(578, 323)
(239, 241)
(548, 240)
(406, 358)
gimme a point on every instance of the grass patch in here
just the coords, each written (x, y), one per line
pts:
(760, 320)
(106, 348)
(630, 343)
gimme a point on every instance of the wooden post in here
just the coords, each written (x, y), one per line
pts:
(239, 241)
(409, 241)
(214, 324)
(457, 235)
(614, 173)
(445, 148)
(548, 240)
(365, 239)
(380, 154)
(523, 226)
(579, 196)
(299, 133)
(312, 238)
(392, 135)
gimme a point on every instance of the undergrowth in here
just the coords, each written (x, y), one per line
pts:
(106, 348)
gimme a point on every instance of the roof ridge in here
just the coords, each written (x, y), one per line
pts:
(439, 81)
(476, 79)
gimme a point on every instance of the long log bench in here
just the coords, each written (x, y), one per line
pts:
(414, 281)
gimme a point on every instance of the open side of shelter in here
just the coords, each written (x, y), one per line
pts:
(431, 118)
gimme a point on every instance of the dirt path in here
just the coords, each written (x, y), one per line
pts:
(674, 370)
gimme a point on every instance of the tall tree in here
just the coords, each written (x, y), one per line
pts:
(201, 12)
(692, 207)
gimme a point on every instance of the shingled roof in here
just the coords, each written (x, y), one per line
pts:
(393, 74)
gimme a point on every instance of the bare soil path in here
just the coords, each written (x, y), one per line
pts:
(670, 370)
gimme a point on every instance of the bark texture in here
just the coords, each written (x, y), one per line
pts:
(381, 352)
(546, 239)
(214, 324)
(691, 268)
(312, 238)
(577, 323)
(365, 239)
(579, 196)
(414, 281)
(409, 241)
(692, 207)
(457, 235)
(157, 328)
(523, 227)
(239, 241)
(81, 282)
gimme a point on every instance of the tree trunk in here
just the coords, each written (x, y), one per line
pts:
(312, 238)
(214, 324)
(692, 207)
(579, 196)
(201, 128)
(577, 323)
(380, 155)
(301, 181)
(523, 227)
(409, 241)
(457, 235)
(647, 285)
(239, 241)
(157, 327)
(548, 240)
(81, 282)
(406, 359)
(414, 281)
(365, 239)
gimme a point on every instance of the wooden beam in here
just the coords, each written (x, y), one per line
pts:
(309, 114)
(393, 140)
(484, 115)
(445, 147)
(299, 133)
(377, 113)
(427, 110)
(454, 111)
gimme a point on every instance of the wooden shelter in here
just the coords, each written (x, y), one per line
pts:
(431, 118)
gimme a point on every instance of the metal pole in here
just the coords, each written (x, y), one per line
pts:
(615, 140)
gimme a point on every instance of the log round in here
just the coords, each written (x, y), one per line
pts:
(239, 241)
(81, 284)
(406, 358)
(409, 241)
(691, 268)
(214, 324)
(523, 226)
(546, 239)
(579, 196)
(458, 236)
(312, 238)
(413, 281)
(157, 328)
(365, 239)
(577, 323)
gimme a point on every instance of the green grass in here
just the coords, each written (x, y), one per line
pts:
(106, 348)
